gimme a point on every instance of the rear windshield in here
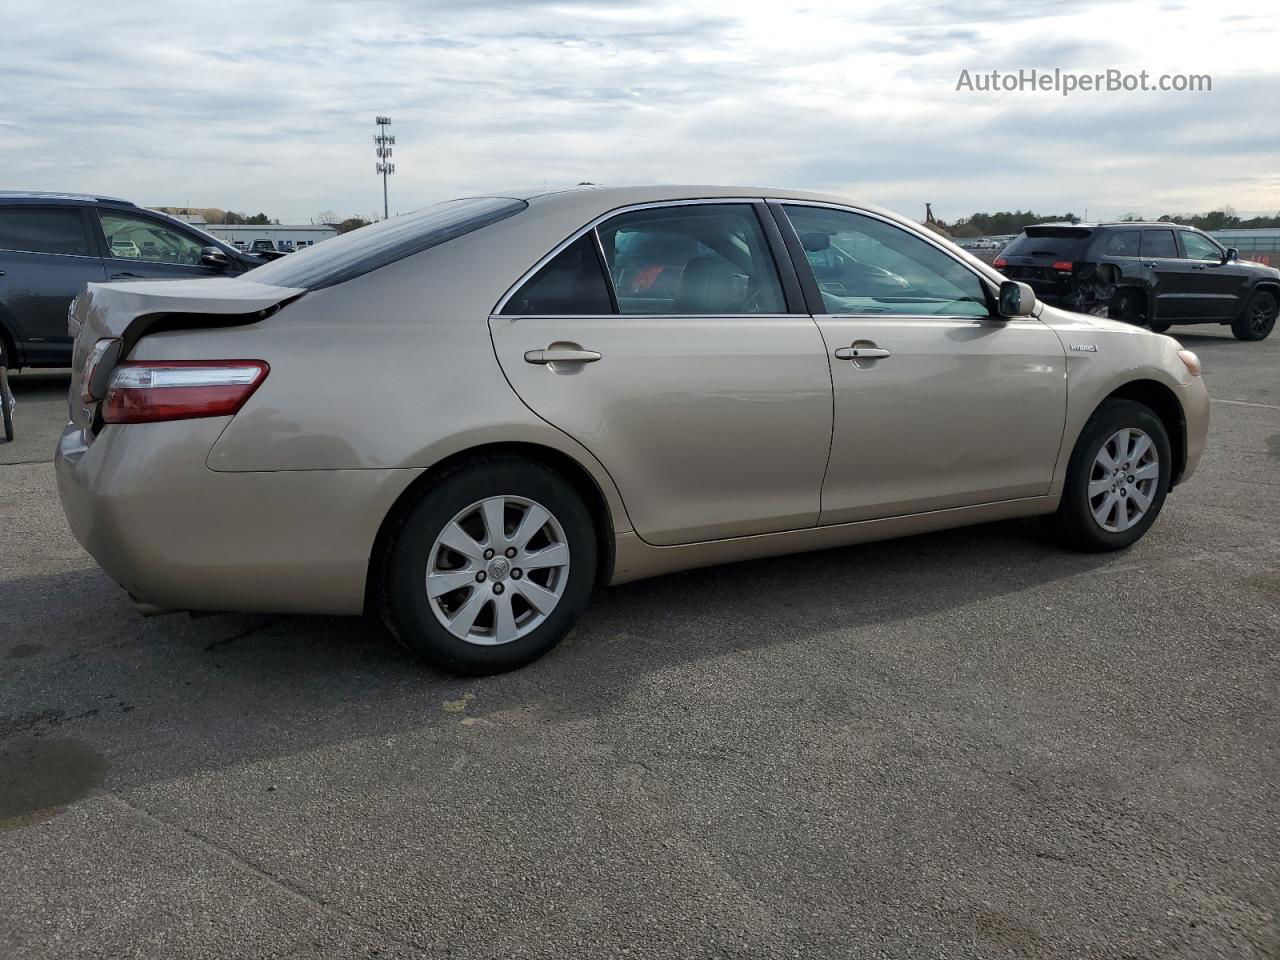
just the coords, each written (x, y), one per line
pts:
(1049, 242)
(369, 248)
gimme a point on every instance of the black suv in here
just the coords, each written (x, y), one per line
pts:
(52, 244)
(1156, 274)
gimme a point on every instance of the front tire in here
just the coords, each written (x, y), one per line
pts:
(490, 568)
(1117, 478)
(1258, 318)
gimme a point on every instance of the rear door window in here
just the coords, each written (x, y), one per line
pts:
(691, 259)
(572, 284)
(1159, 243)
(1122, 243)
(43, 230)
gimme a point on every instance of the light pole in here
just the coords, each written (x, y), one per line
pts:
(383, 142)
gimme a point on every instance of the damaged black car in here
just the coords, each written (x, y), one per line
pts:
(1150, 274)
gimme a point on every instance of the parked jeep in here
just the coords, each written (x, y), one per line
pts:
(1153, 274)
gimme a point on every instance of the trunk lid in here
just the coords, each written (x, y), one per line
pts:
(129, 310)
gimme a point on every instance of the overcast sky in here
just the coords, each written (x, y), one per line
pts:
(269, 105)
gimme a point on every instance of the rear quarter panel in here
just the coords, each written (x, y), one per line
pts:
(391, 370)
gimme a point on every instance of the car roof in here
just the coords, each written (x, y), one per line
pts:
(621, 196)
(1122, 224)
(44, 196)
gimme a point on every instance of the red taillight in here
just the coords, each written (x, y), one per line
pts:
(1001, 262)
(1063, 265)
(147, 391)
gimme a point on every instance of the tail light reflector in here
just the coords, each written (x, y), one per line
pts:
(1001, 262)
(1063, 265)
(148, 391)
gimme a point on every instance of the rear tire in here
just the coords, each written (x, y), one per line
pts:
(1258, 318)
(1117, 478)
(509, 550)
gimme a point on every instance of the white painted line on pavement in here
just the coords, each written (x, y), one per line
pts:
(1244, 403)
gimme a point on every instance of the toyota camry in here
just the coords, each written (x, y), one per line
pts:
(468, 418)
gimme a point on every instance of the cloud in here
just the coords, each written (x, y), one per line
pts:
(270, 105)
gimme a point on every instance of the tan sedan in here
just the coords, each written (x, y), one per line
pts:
(469, 417)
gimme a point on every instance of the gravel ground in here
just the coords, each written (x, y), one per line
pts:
(969, 744)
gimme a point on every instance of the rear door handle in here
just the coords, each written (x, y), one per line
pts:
(561, 355)
(862, 353)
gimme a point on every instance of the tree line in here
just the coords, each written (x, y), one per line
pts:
(1013, 221)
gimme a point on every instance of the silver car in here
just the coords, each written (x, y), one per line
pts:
(470, 417)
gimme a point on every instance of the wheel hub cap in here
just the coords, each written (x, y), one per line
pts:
(1123, 480)
(497, 570)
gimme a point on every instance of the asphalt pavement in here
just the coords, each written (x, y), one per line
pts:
(970, 744)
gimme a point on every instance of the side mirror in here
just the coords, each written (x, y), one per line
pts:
(1016, 299)
(214, 257)
(1232, 254)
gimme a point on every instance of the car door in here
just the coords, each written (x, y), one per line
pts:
(1217, 285)
(665, 341)
(1173, 296)
(938, 404)
(46, 259)
(139, 247)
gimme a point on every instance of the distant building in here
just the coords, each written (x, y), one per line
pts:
(283, 236)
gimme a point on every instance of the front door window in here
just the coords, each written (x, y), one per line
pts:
(145, 240)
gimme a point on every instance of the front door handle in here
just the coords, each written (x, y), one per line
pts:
(561, 355)
(862, 353)
(125, 276)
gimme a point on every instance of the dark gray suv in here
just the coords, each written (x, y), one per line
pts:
(52, 244)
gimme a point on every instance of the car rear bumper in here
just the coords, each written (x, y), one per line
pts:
(177, 535)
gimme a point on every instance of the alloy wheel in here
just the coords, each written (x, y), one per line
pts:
(1264, 314)
(1123, 480)
(497, 570)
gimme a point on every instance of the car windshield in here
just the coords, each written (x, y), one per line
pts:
(369, 248)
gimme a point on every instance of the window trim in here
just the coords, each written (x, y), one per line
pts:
(751, 202)
(806, 272)
(86, 228)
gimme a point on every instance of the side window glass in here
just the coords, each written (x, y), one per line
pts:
(136, 238)
(692, 259)
(1122, 243)
(33, 230)
(571, 284)
(866, 266)
(1159, 243)
(1200, 248)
